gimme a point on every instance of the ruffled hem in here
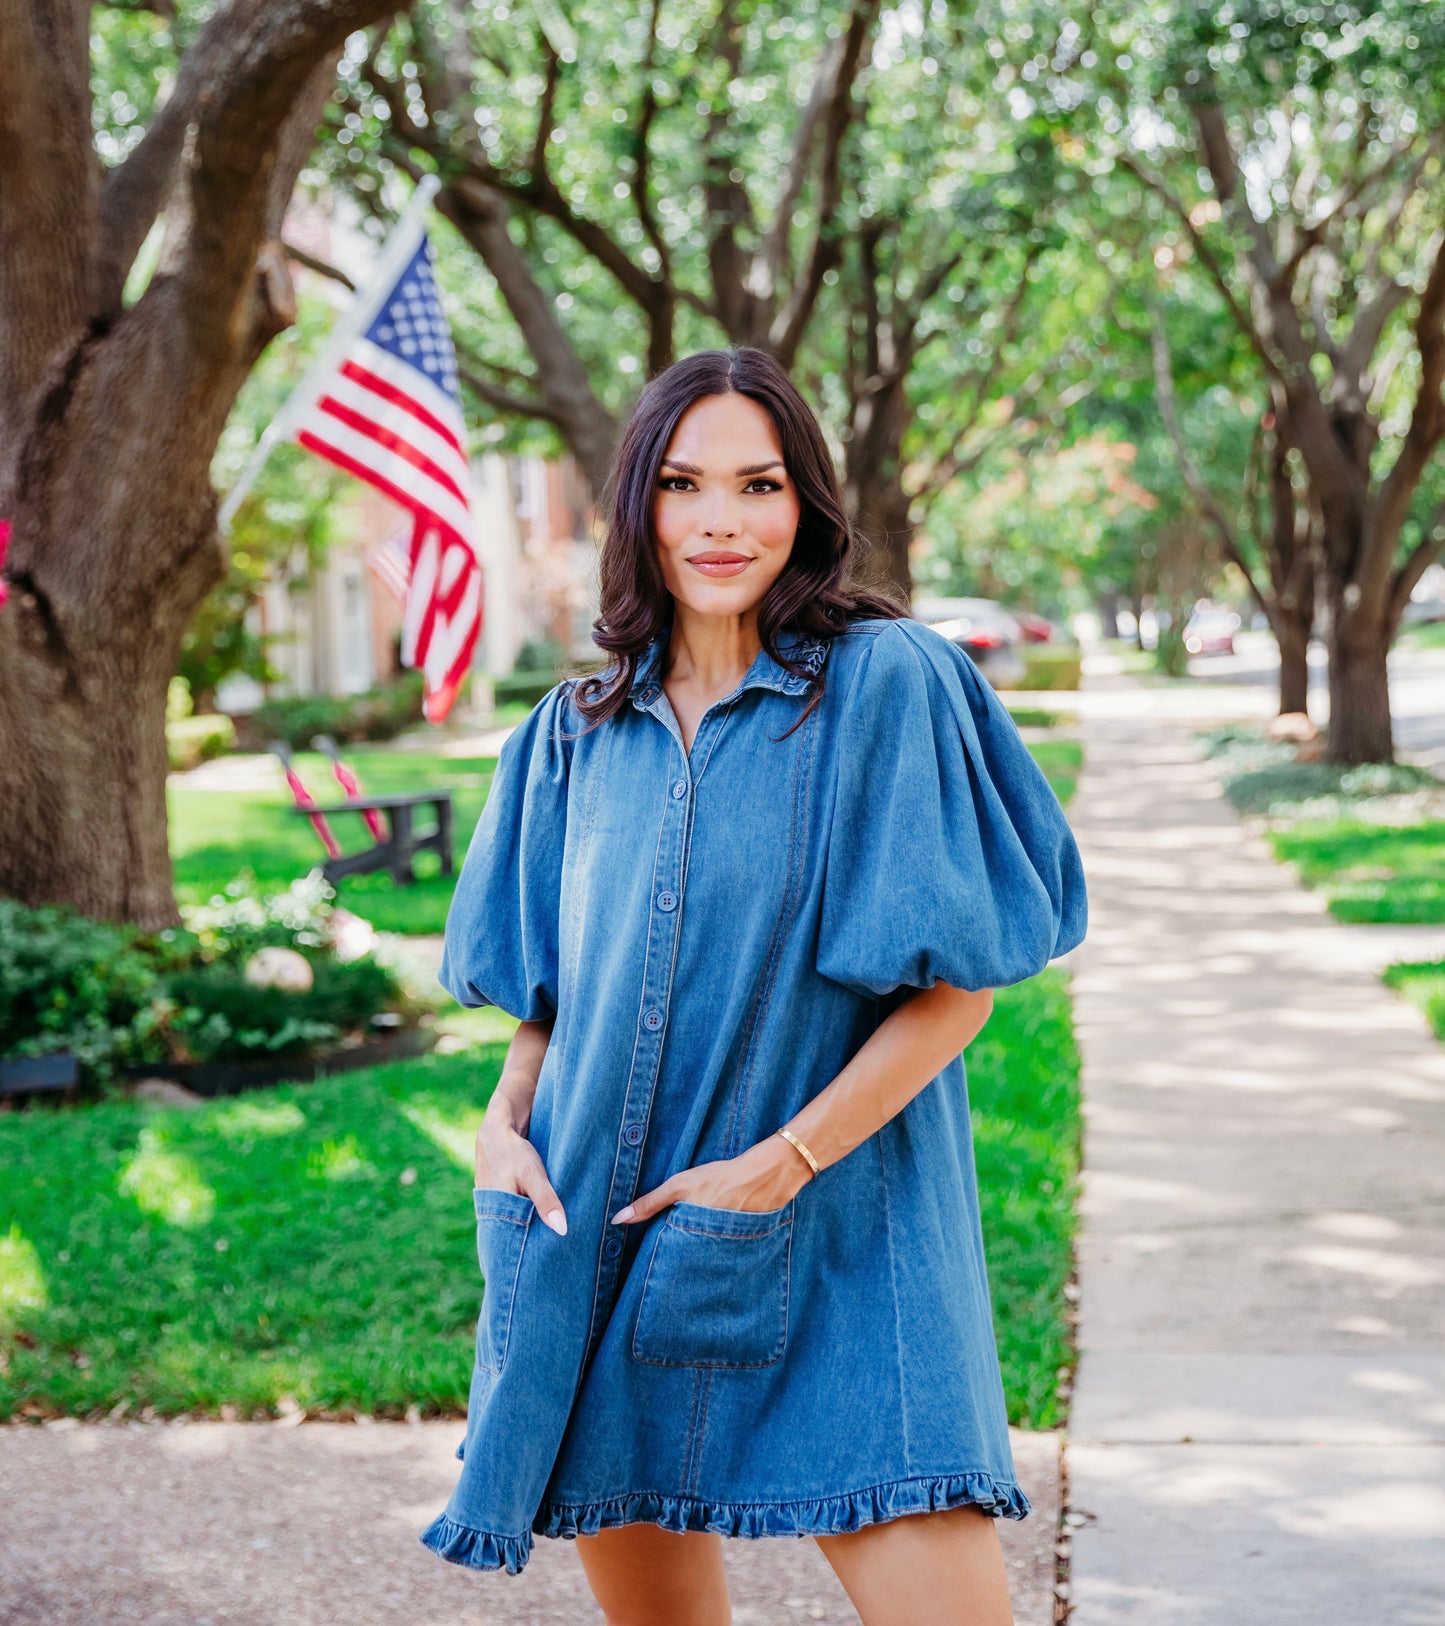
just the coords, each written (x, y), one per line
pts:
(476, 1549)
(822, 1516)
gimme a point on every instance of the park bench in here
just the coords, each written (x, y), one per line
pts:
(390, 819)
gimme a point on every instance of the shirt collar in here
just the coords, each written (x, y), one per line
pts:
(764, 673)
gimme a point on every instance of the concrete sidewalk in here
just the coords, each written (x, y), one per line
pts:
(261, 1524)
(1258, 1428)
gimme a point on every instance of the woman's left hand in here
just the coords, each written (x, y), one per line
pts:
(764, 1177)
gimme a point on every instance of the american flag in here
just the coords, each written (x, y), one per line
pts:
(389, 412)
(390, 563)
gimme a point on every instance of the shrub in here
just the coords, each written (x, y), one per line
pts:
(540, 655)
(118, 997)
(528, 687)
(71, 983)
(1050, 668)
(190, 741)
(218, 1016)
(380, 714)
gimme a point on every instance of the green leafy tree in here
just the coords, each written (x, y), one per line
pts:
(1298, 149)
(842, 184)
(113, 397)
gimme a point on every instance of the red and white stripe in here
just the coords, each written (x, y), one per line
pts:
(389, 425)
(390, 563)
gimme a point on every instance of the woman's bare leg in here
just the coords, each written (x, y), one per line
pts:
(926, 1569)
(643, 1575)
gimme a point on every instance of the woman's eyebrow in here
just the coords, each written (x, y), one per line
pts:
(752, 468)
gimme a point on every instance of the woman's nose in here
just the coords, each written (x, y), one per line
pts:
(721, 521)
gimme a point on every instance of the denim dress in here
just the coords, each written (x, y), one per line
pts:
(716, 932)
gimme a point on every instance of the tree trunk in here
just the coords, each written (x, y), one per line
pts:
(1109, 615)
(1292, 634)
(1360, 728)
(1359, 630)
(1170, 655)
(114, 546)
(878, 504)
(82, 799)
(880, 516)
(107, 431)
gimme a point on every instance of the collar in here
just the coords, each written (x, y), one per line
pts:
(764, 673)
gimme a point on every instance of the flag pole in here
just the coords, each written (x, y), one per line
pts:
(397, 250)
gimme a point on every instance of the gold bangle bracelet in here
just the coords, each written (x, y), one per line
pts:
(793, 1141)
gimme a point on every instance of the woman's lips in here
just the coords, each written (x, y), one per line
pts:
(719, 564)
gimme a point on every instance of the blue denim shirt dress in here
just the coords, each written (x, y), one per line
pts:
(717, 931)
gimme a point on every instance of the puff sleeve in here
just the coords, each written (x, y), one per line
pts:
(502, 942)
(949, 858)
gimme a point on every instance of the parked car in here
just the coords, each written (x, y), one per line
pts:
(1037, 629)
(1210, 631)
(984, 630)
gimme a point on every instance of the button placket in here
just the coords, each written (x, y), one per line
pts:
(664, 924)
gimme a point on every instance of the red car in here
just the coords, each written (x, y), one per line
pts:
(1210, 631)
(1037, 629)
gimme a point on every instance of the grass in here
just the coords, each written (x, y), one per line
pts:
(1042, 717)
(216, 833)
(1372, 873)
(315, 1245)
(1023, 1077)
(1424, 635)
(1061, 761)
(1371, 838)
(1424, 985)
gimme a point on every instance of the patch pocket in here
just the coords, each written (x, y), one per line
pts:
(716, 1290)
(503, 1220)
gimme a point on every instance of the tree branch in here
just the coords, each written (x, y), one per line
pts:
(516, 406)
(1280, 337)
(1157, 184)
(49, 195)
(135, 191)
(267, 75)
(725, 199)
(566, 396)
(1199, 487)
(824, 251)
(821, 95)
(661, 315)
(321, 267)
(1427, 426)
(1426, 551)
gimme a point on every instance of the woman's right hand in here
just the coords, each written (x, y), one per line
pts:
(507, 1161)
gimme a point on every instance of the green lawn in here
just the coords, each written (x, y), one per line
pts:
(216, 833)
(1369, 872)
(1424, 984)
(1061, 761)
(1371, 838)
(317, 1243)
(1425, 635)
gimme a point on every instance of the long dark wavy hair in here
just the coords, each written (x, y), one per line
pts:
(817, 592)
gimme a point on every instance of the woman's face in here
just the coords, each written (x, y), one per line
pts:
(725, 510)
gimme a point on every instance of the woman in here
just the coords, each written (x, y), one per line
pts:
(759, 876)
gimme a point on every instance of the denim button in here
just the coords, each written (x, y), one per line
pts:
(667, 900)
(648, 695)
(652, 1020)
(633, 1134)
(612, 1246)
(679, 790)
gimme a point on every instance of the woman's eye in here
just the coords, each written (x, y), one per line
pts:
(674, 482)
(759, 487)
